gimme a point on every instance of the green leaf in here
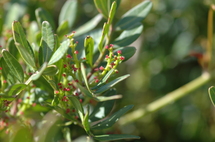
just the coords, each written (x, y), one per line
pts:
(111, 84)
(95, 34)
(22, 45)
(77, 106)
(84, 76)
(104, 6)
(88, 26)
(86, 124)
(129, 36)
(112, 13)
(104, 33)
(15, 89)
(6, 97)
(127, 52)
(68, 12)
(112, 137)
(14, 12)
(104, 79)
(37, 74)
(211, 92)
(12, 47)
(60, 52)
(89, 47)
(134, 15)
(103, 109)
(43, 15)
(85, 91)
(6, 72)
(62, 112)
(14, 66)
(51, 70)
(110, 121)
(104, 98)
(47, 41)
(63, 29)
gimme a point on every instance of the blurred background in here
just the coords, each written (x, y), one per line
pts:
(172, 31)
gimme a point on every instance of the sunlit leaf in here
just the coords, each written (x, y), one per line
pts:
(104, 6)
(68, 12)
(88, 26)
(15, 89)
(60, 52)
(22, 44)
(51, 70)
(47, 41)
(89, 48)
(63, 29)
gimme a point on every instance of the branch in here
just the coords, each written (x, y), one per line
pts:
(167, 99)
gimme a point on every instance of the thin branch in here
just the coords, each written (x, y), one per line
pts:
(167, 99)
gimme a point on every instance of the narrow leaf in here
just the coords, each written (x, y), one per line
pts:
(104, 6)
(47, 41)
(7, 73)
(77, 106)
(88, 26)
(68, 12)
(89, 47)
(104, 98)
(63, 29)
(43, 15)
(104, 33)
(110, 121)
(37, 74)
(103, 109)
(12, 47)
(15, 89)
(86, 123)
(22, 44)
(114, 137)
(129, 36)
(103, 80)
(135, 15)
(51, 70)
(95, 34)
(111, 84)
(60, 52)
(112, 12)
(14, 66)
(84, 76)
(13, 12)
(85, 91)
(211, 92)
(127, 52)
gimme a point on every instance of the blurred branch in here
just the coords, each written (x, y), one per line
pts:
(210, 50)
(167, 99)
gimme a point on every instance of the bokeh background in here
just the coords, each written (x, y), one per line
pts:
(172, 30)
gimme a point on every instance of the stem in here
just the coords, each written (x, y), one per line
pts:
(210, 37)
(167, 99)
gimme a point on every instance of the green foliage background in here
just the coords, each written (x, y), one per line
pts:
(172, 30)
